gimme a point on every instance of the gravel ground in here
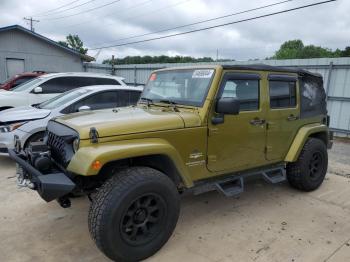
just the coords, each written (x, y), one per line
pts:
(266, 223)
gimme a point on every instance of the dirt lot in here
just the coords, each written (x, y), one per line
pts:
(266, 223)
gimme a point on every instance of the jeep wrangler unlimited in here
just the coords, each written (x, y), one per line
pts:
(195, 129)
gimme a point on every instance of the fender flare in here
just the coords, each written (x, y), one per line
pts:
(81, 163)
(300, 139)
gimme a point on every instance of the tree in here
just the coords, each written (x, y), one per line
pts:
(74, 42)
(295, 49)
(289, 50)
(346, 52)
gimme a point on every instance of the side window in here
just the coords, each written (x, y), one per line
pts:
(102, 100)
(134, 97)
(55, 85)
(106, 81)
(246, 91)
(282, 94)
(123, 98)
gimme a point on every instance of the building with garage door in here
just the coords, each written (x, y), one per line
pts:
(22, 50)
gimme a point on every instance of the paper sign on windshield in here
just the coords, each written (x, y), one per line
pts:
(203, 73)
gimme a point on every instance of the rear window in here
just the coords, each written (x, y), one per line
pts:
(313, 97)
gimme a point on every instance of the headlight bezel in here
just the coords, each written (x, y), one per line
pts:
(76, 144)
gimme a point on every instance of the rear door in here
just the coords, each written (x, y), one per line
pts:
(283, 116)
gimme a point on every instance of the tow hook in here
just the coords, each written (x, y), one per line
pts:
(64, 202)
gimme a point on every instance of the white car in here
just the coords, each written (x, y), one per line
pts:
(29, 122)
(48, 86)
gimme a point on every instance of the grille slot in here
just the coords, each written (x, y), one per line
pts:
(58, 148)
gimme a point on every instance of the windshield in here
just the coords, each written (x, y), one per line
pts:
(26, 85)
(10, 80)
(184, 86)
(63, 99)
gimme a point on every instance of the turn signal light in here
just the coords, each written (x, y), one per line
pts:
(96, 165)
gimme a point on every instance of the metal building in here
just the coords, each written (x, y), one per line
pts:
(22, 50)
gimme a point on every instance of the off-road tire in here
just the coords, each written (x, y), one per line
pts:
(308, 172)
(123, 194)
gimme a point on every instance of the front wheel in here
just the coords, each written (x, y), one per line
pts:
(134, 214)
(309, 171)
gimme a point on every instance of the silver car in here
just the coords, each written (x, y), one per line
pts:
(29, 122)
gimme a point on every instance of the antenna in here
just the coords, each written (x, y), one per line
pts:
(31, 22)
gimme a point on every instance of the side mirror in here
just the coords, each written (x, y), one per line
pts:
(38, 90)
(227, 106)
(84, 108)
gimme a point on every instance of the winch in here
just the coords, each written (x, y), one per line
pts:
(39, 156)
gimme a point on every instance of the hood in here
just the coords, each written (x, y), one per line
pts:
(130, 120)
(23, 113)
(8, 93)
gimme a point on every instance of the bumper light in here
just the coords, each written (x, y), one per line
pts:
(96, 165)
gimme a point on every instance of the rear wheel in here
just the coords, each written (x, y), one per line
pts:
(308, 172)
(134, 213)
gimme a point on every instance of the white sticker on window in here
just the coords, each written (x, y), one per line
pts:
(204, 73)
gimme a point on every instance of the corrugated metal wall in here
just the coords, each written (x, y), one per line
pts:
(336, 73)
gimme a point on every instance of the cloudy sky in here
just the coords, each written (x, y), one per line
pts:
(98, 25)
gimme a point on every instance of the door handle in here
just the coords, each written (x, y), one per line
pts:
(257, 122)
(292, 118)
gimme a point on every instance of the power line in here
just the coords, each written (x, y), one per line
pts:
(50, 10)
(217, 26)
(147, 13)
(68, 9)
(85, 11)
(200, 22)
(98, 18)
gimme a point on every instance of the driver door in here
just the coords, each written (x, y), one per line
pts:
(239, 142)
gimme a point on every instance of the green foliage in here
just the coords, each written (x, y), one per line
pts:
(157, 59)
(295, 49)
(346, 52)
(74, 42)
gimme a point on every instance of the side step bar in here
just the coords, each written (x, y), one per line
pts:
(231, 187)
(234, 185)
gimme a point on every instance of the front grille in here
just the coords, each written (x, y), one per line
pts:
(60, 139)
(58, 148)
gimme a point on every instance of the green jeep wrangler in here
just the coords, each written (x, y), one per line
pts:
(195, 129)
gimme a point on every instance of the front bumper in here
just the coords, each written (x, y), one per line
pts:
(49, 186)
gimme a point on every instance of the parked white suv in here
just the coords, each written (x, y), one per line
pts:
(48, 86)
(29, 123)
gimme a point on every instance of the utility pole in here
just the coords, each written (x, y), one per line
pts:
(217, 55)
(113, 68)
(31, 22)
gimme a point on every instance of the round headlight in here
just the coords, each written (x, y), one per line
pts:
(76, 145)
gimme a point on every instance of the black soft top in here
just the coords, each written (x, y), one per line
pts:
(263, 67)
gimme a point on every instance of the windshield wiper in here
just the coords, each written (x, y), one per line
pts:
(148, 100)
(170, 102)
